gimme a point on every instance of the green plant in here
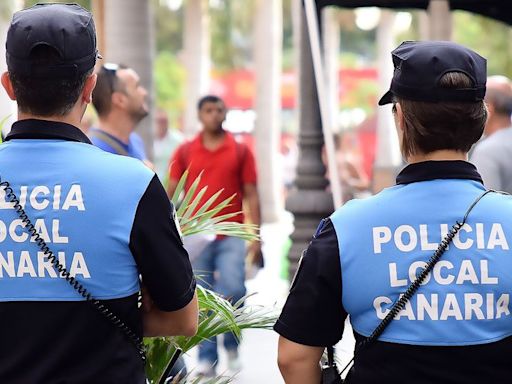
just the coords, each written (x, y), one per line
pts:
(216, 314)
(195, 218)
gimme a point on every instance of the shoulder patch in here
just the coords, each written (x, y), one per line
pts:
(320, 227)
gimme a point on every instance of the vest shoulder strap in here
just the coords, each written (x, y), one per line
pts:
(110, 141)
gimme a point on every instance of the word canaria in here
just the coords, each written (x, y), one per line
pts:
(408, 238)
(464, 307)
(12, 266)
(41, 197)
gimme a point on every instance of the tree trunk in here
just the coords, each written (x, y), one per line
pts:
(98, 10)
(388, 157)
(197, 60)
(7, 106)
(128, 33)
(440, 17)
(267, 55)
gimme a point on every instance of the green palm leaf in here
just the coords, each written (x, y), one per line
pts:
(195, 217)
(216, 314)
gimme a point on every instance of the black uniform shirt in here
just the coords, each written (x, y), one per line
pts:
(70, 342)
(313, 314)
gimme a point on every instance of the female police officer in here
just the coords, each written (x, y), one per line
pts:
(456, 328)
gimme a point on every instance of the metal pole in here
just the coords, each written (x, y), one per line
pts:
(323, 99)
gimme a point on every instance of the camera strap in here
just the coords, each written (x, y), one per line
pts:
(73, 282)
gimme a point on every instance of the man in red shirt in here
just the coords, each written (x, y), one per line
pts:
(228, 166)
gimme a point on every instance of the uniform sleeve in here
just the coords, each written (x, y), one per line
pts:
(313, 314)
(249, 174)
(176, 168)
(158, 251)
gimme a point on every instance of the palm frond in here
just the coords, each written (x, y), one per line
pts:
(196, 217)
(180, 187)
(188, 379)
(216, 314)
(189, 194)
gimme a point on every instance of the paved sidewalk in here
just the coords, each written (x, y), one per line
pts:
(258, 350)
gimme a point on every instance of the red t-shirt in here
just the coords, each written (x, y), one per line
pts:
(230, 167)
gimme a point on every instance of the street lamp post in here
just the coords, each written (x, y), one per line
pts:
(309, 201)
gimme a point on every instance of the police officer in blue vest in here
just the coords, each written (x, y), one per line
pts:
(457, 326)
(72, 213)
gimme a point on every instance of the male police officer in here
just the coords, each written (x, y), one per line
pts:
(106, 218)
(457, 327)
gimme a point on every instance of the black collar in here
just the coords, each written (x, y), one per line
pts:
(44, 129)
(431, 170)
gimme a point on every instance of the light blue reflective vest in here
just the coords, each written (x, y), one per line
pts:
(385, 240)
(82, 201)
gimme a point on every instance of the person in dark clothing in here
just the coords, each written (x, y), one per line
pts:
(106, 219)
(457, 327)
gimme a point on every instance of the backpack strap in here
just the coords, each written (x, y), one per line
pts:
(184, 155)
(105, 137)
(241, 156)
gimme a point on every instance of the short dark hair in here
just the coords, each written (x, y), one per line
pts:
(106, 84)
(208, 99)
(46, 96)
(429, 127)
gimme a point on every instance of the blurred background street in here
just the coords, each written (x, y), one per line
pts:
(259, 347)
(300, 92)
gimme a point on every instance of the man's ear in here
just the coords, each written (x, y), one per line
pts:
(89, 85)
(7, 84)
(118, 99)
(490, 108)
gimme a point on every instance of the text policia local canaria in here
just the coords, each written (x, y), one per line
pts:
(39, 198)
(444, 306)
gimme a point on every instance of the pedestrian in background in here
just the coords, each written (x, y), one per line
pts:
(166, 142)
(120, 101)
(492, 154)
(229, 166)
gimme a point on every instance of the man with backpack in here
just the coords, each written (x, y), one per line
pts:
(229, 166)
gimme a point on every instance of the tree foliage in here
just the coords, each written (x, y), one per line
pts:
(492, 39)
(170, 76)
(231, 26)
(168, 27)
(84, 3)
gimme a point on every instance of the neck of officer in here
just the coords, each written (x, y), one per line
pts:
(73, 117)
(441, 155)
(119, 125)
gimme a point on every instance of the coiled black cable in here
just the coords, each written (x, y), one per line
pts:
(82, 291)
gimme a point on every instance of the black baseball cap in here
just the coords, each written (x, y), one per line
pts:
(419, 65)
(68, 28)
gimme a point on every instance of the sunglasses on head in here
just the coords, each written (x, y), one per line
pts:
(111, 70)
